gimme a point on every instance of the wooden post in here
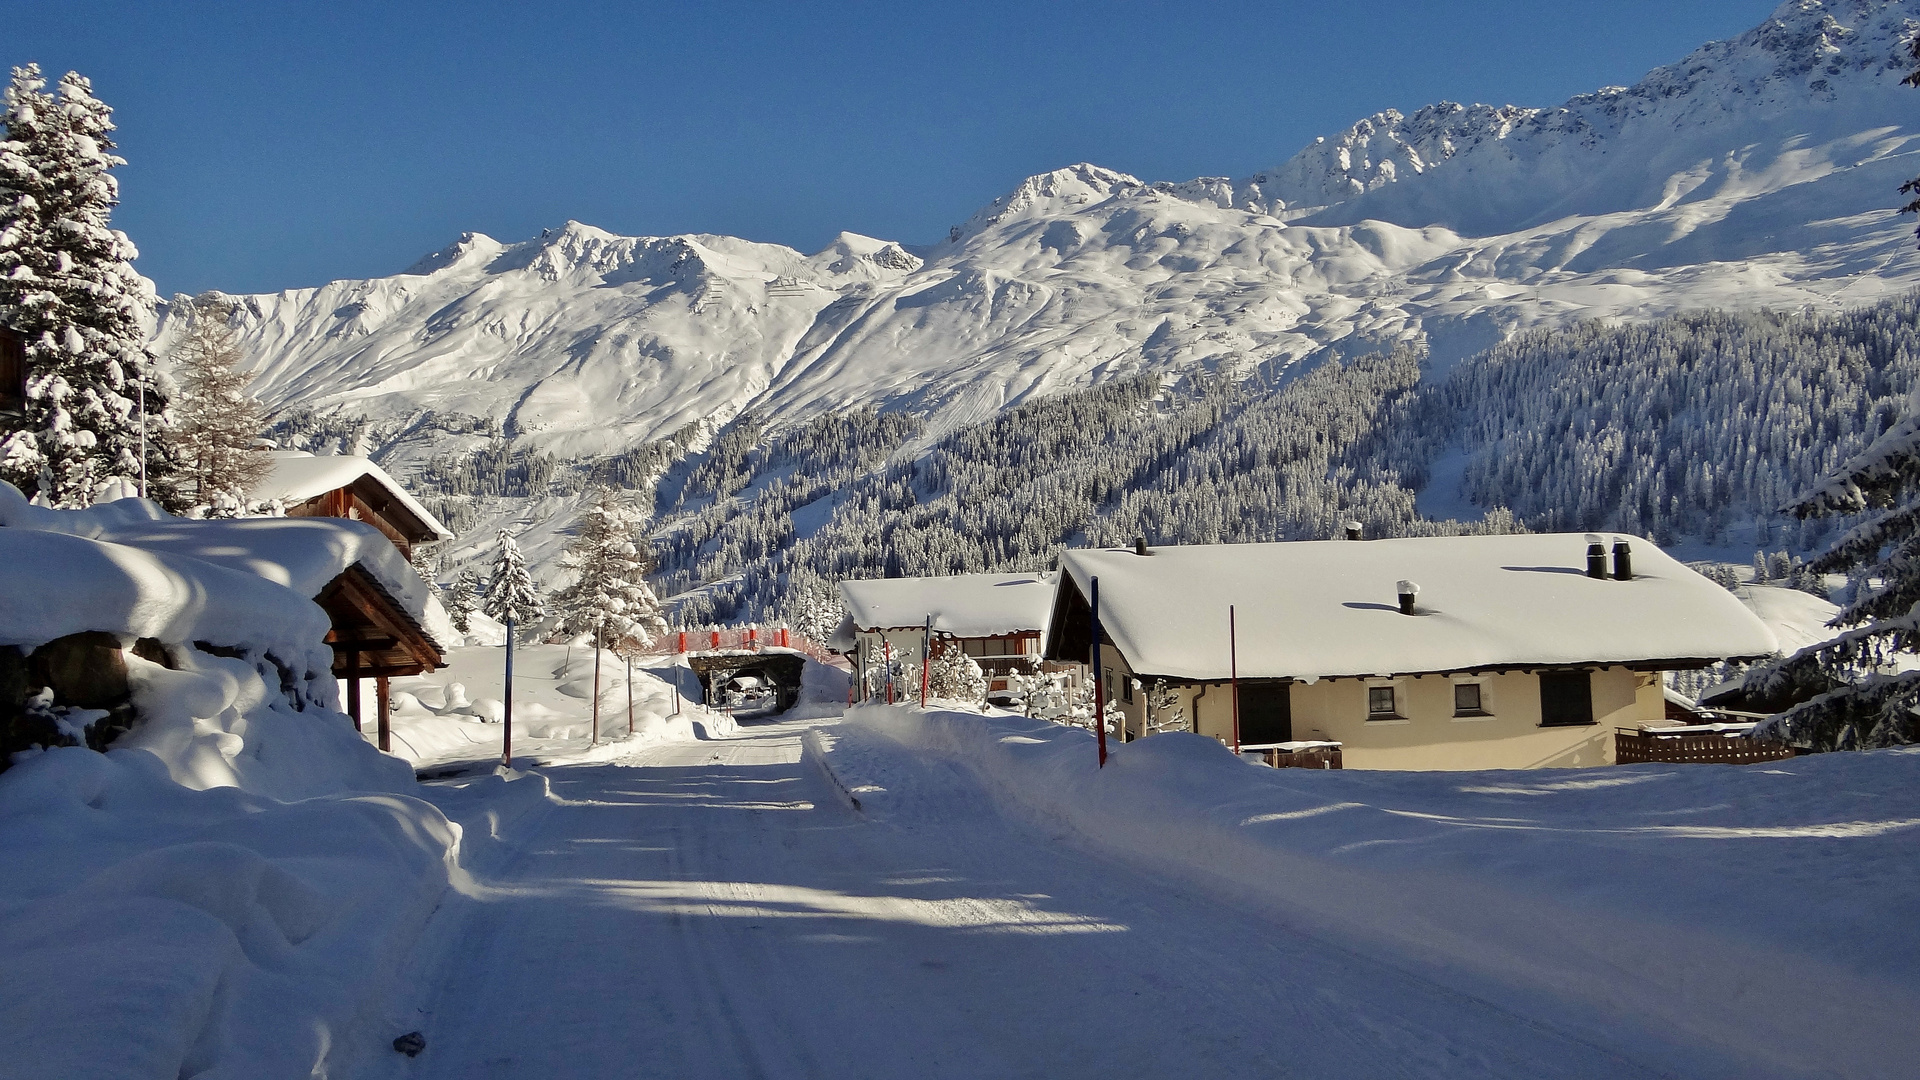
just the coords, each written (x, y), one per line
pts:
(353, 689)
(506, 726)
(595, 741)
(926, 658)
(629, 691)
(1233, 672)
(383, 700)
(1099, 687)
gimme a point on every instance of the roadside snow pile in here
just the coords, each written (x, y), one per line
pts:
(1767, 908)
(227, 890)
(453, 714)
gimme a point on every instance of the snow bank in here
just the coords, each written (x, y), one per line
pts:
(1769, 910)
(228, 890)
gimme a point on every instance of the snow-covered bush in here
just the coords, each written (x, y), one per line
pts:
(955, 676)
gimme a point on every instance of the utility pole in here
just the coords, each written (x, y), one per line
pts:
(506, 727)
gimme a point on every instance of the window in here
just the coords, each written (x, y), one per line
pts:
(1469, 699)
(1126, 690)
(1380, 702)
(1566, 698)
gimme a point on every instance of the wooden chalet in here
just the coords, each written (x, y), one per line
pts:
(345, 486)
(373, 636)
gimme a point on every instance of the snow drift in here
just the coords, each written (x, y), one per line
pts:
(1751, 907)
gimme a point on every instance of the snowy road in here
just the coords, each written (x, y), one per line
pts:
(718, 911)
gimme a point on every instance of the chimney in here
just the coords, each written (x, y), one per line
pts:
(1140, 546)
(1596, 558)
(1622, 560)
(1408, 590)
(1353, 530)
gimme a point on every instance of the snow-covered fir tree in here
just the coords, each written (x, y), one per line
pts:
(511, 594)
(1860, 697)
(462, 596)
(68, 288)
(608, 557)
(216, 422)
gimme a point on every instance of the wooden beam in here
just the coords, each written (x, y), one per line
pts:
(382, 696)
(353, 689)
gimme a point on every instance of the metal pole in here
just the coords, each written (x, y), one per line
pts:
(886, 653)
(506, 726)
(1233, 659)
(595, 741)
(926, 658)
(629, 692)
(1099, 697)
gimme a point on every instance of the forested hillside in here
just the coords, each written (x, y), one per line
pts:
(1694, 427)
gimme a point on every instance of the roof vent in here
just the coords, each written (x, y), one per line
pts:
(1408, 590)
(1353, 530)
(1140, 546)
(1596, 558)
(1622, 560)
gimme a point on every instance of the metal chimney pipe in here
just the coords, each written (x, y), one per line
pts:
(1622, 560)
(1353, 530)
(1596, 558)
(1408, 590)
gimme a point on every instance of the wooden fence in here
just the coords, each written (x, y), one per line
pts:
(1282, 756)
(1693, 747)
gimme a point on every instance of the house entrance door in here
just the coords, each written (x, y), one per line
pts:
(1266, 713)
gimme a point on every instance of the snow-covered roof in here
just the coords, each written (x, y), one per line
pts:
(965, 605)
(1330, 608)
(303, 554)
(298, 476)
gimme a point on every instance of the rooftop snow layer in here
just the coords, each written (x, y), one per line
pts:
(303, 554)
(298, 476)
(965, 605)
(1330, 607)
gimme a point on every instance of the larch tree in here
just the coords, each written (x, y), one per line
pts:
(511, 595)
(609, 596)
(216, 422)
(68, 288)
(462, 596)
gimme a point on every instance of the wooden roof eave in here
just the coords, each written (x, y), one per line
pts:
(403, 647)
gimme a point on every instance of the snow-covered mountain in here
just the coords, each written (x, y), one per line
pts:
(1759, 171)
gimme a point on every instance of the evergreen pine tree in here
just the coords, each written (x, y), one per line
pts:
(511, 593)
(68, 288)
(608, 556)
(1851, 695)
(215, 420)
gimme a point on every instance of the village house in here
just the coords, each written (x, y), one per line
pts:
(1474, 652)
(998, 619)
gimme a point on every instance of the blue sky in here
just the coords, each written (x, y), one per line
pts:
(276, 145)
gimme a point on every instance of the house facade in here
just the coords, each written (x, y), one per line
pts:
(1490, 652)
(998, 619)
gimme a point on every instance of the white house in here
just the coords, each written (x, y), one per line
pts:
(998, 619)
(1473, 652)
